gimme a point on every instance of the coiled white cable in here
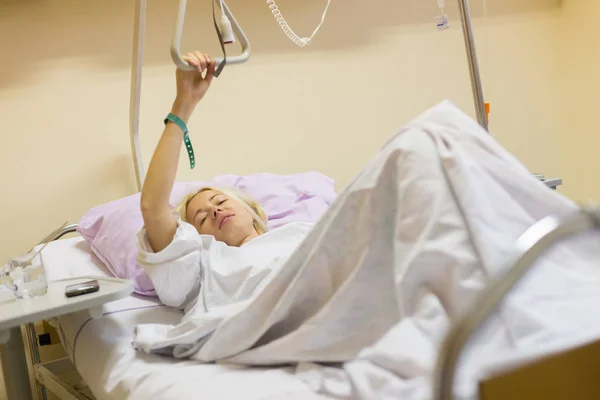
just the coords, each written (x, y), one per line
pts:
(299, 41)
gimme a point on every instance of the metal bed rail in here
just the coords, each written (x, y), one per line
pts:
(531, 246)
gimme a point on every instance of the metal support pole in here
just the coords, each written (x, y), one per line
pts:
(136, 90)
(465, 16)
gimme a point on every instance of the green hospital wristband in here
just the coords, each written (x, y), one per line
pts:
(186, 139)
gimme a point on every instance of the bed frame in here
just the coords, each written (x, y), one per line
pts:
(60, 377)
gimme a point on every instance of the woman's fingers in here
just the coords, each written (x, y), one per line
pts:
(197, 62)
(203, 63)
(210, 70)
(191, 59)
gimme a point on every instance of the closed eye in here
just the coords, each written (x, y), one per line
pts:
(197, 215)
(203, 220)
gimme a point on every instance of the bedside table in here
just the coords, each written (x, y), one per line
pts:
(16, 312)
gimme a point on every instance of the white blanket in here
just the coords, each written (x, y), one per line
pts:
(404, 248)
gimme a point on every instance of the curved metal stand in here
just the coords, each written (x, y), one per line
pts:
(532, 245)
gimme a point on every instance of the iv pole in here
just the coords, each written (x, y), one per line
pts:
(465, 16)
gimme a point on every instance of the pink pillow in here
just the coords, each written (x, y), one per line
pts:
(111, 228)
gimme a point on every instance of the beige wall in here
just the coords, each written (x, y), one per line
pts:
(64, 92)
(64, 87)
(580, 77)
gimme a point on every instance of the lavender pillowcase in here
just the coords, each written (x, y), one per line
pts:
(111, 228)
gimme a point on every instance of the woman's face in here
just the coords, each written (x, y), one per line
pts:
(214, 213)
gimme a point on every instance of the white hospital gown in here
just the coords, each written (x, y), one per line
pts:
(199, 271)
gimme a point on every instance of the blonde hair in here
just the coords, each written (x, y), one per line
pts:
(259, 217)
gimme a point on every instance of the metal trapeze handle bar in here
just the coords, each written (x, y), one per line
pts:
(176, 43)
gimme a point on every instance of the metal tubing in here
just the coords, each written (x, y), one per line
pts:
(59, 233)
(465, 16)
(176, 43)
(136, 91)
(531, 245)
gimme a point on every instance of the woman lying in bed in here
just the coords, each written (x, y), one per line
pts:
(214, 231)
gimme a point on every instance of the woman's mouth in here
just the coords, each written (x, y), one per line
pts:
(224, 220)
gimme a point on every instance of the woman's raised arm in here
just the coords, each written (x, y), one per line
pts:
(159, 221)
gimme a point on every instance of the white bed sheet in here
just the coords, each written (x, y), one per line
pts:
(102, 352)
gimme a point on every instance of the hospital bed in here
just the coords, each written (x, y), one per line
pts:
(101, 362)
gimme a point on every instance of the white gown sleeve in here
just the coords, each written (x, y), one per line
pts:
(176, 270)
